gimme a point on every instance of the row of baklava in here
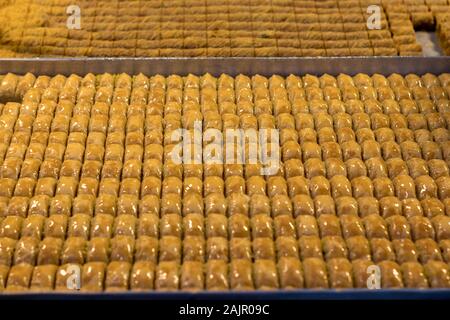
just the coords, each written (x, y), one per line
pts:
(77, 250)
(349, 158)
(301, 114)
(264, 113)
(373, 165)
(199, 32)
(281, 114)
(357, 184)
(216, 246)
(312, 49)
(353, 167)
(397, 93)
(12, 83)
(329, 99)
(289, 273)
(241, 23)
(395, 96)
(121, 249)
(227, 177)
(66, 180)
(230, 30)
(321, 135)
(311, 93)
(363, 144)
(354, 114)
(195, 3)
(109, 200)
(198, 6)
(216, 224)
(264, 7)
(138, 119)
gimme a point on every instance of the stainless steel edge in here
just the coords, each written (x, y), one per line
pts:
(232, 66)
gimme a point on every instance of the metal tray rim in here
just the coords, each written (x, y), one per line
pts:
(306, 294)
(229, 65)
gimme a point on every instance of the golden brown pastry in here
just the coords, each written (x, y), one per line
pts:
(310, 247)
(398, 227)
(411, 207)
(49, 251)
(432, 207)
(438, 274)
(428, 250)
(391, 276)
(360, 270)
(216, 275)
(414, 275)
(382, 250)
(167, 276)
(192, 277)
(315, 273)
(169, 249)
(368, 206)
(241, 275)
(19, 277)
(117, 276)
(92, 277)
(340, 273)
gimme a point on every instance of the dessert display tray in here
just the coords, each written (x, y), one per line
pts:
(233, 67)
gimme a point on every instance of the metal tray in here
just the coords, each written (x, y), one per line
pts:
(231, 66)
(234, 66)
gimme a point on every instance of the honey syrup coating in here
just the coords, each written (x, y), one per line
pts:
(7, 247)
(315, 273)
(265, 274)
(340, 273)
(340, 187)
(92, 276)
(19, 277)
(146, 249)
(391, 276)
(306, 225)
(438, 274)
(170, 249)
(310, 247)
(405, 250)
(382, 250)
(428, 250)
(49, 251)
(414, 275)
(241, 275)
(167, 276)
(192, 277)
(334, 247)
(43, 278)
(11, 227)
(117, 276)
(444, 245)
(398, 227)
(441, 227)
